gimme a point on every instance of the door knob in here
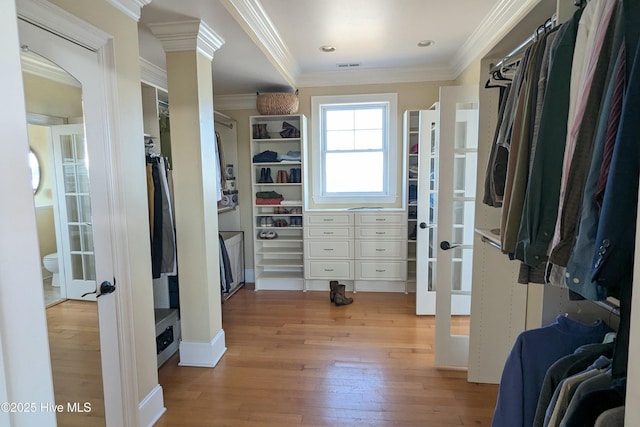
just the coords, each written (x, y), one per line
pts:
(107, 288)
(445, 246)
(423, 225)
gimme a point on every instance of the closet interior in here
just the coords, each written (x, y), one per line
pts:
(157, 142)
(549, 117)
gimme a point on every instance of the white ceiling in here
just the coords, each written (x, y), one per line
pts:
(274, 44)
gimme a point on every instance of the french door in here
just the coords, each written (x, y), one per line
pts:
(457, 154)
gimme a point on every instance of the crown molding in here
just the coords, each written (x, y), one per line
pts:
(187, 35)
(153, 75)
(130, 8)
(375, 76)
(235, 102)
(502, 18)
(254, 19)
(58, 21)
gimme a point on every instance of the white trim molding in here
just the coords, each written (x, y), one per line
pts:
(153, 75)
(36, 65)
(256, 22)
(151, 408)
(187, 35)
(203, 354)
(502, 18)
(131, 8)
(50, 17)
(235, 102)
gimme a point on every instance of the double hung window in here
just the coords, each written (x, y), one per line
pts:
(355, 149)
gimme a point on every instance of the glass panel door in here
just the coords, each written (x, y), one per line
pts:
(456, 218)
(427, 212)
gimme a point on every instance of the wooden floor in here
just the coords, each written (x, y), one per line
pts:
(294, 359)
(74, 344)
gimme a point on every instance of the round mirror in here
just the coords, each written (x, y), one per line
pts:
(34, 163)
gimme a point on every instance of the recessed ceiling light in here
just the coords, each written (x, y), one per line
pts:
(426, 43)
(328, 48)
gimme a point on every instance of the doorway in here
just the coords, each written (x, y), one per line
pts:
(90, 248)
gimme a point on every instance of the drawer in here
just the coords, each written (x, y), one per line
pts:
(381, 249)
(376, 270)
(328, 248)
(335, 269)
(381, 233)
(378, 218)
(329, 219)
(328, 232)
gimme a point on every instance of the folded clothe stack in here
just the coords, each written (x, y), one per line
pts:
(268, 198)
(291, 202)
(266, 157)
(289, 131)
(291, 156)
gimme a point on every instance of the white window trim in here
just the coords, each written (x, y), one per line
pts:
(392, 175)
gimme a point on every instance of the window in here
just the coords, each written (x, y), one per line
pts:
(355, 149)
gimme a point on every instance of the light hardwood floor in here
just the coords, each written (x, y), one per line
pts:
(294, 359)
(74, 343)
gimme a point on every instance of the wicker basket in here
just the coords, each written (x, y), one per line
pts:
(277, 103)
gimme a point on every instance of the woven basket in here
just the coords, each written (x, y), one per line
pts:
(277, 103)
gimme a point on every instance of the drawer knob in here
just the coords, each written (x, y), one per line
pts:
(381, 219)
(381, 232)
(328, 232)
(328, 219)
(380, 250)
(381, 271)
(328, 249)
(328, 269)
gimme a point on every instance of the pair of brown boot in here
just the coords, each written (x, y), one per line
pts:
(337, 295)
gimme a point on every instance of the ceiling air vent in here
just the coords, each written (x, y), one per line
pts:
(348, 65)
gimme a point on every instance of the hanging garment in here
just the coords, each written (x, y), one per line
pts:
(578, 272)
(565, 367)
(541, 199)
(598, 382)
(580, 145)
(587, 82)
(156, 242)
(613, 260)
(497, 159)
(532, 354)
(169, 265)
(226, 276)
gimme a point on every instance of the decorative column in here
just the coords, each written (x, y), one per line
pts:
(189, 46)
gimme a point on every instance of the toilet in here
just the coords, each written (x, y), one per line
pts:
(51, 264)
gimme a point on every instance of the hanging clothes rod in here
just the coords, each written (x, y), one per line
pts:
(228, 125)
(549, 23)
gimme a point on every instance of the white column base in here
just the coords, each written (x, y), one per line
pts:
(151, 408)
(202, 354)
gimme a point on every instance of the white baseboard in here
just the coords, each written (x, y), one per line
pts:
(151, 408)
(203, 354)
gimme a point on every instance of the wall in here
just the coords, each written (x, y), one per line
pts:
(410, 96)
(131, 161)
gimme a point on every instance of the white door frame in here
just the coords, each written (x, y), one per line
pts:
(115, 313)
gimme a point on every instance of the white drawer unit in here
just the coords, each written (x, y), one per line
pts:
(334, 269)
(329, 248)
(381, 249)
(381, 232)
(378, 270)
(330, 220)
(381, 246)
(329, 232)
(380, 219)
